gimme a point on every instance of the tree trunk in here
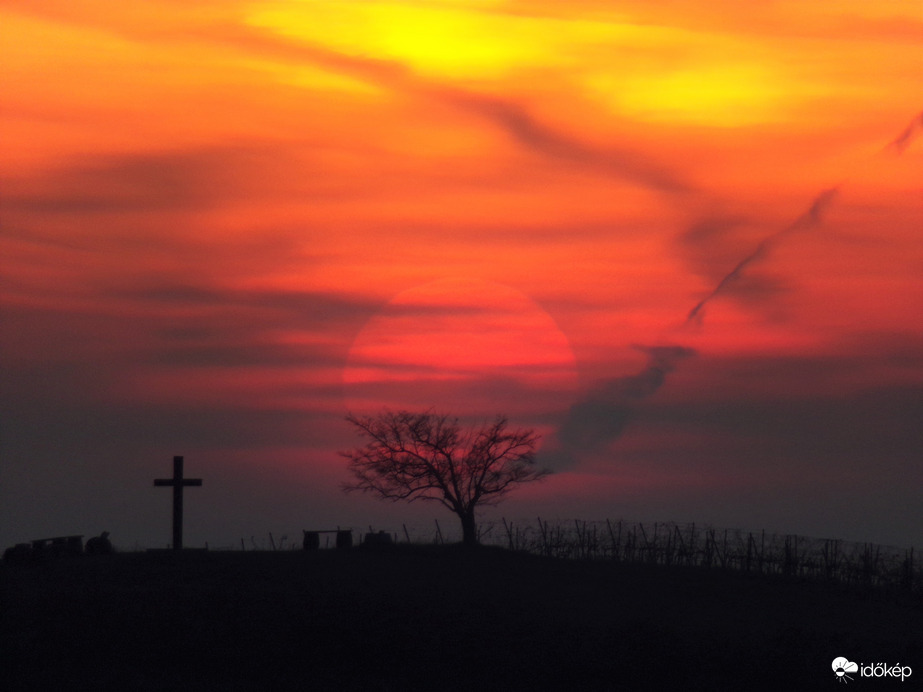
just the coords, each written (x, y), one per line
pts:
(469, 528)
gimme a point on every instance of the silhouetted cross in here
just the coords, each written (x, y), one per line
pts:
(178, 483)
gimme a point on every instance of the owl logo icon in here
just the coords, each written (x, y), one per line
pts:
(842, 666)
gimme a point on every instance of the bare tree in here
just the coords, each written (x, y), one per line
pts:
(429, 456)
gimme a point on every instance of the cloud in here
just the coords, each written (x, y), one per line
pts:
(712, 244)
(523, 127)
(907, 135)
(812, 216)
(514, 118)
(297, 308)
(198, 346)
(215, 353)
(144, 182)
(92, 426)
(601, 416)
(142, 20)
(851, 407)
(790, 419)
(766, 441)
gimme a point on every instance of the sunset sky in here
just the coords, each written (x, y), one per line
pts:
(679, 239)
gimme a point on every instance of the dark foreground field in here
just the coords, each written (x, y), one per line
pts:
(418, 618)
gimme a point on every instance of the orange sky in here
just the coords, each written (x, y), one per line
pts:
(226, 223)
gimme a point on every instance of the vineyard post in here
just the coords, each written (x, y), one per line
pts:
(509, 531)
(619, 543)
(654, 551)
(644, 548)
(692, 544)
(787, 555)
(762, 543)
(709, 546)
(791, 555)
(632, 543)
(669, 547)
(831, 558)
(724, 556)
(557, 542)
(749, 549)
(543, 528)
(594, 543)
(579, 538)
(871, 563)
(836, 557)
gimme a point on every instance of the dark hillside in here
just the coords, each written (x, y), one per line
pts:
(418, 618)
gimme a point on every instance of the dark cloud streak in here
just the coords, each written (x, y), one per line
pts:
(812, 217)
(525, 129)
(601, 415)
(903, 140)
(144, 182)
(511, 117)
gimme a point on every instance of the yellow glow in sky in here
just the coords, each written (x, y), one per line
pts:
(432, 40)
(709, 95)
(440, 40)
(314, 78)
(638, 71)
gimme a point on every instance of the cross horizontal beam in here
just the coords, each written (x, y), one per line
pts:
(177, 483)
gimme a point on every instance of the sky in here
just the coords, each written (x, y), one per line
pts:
(680, 240)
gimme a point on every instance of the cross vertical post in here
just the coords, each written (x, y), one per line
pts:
(177, 483)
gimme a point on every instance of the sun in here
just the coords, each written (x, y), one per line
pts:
(465, 346)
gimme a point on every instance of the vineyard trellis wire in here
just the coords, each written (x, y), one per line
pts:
(692, 545)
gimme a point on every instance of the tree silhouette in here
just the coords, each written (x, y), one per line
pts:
(429, 456)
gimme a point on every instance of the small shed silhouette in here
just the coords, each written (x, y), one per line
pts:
(311, 541)
(57, 547)
(377, 539)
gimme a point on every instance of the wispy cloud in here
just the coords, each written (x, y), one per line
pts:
(811, 217)
(600, 417)
(510, 116)
(907, 135)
